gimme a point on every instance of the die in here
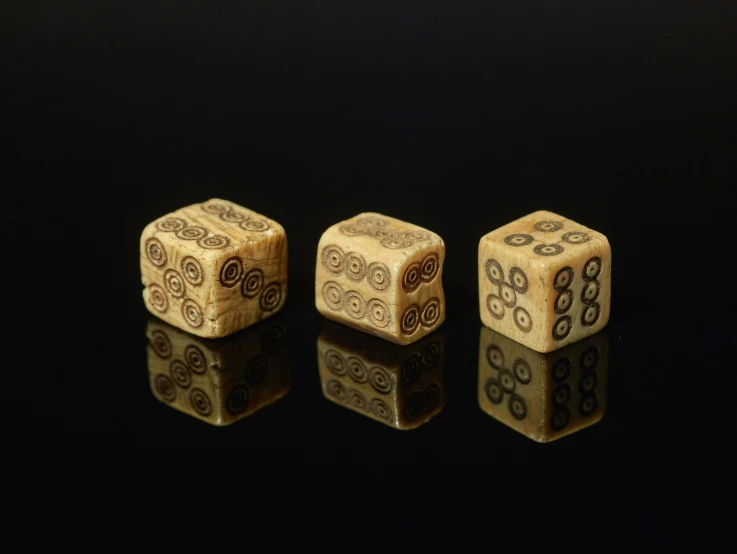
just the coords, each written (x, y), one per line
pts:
(544, 396)
(399, 386)
(544, 281)
(218, 381)
(382, 276)
(214, 268)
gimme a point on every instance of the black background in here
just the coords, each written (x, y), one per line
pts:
(622, 117)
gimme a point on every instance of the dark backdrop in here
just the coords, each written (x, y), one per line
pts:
(622, 117)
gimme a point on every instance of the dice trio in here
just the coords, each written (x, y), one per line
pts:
(544, 283)
(215, 268)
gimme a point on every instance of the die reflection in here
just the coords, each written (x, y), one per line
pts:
(543, 396)
(399, 386)
(218, 381)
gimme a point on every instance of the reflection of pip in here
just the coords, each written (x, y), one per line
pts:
(218, 380)
(400, 386)
(543, 396)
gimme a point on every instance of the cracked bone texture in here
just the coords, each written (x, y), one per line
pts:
(214, 268)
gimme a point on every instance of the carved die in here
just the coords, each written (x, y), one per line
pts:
(381, 275)
(214, 268)
(544, 281)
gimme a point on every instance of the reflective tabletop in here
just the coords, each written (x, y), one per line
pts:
(457, 119)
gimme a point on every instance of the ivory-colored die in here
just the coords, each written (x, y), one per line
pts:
(399, 386)
(218, 381)
(543, 396)
(214, 268)
(382, 276)
(544, 281)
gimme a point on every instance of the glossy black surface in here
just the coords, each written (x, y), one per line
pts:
(460, 120)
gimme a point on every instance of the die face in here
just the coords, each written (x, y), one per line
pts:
(359, 270)
(218, 381)
(251, 284)
(401, 387)
(580, 293)
(421, 299)
(544, 281)
(544, 396)
(213, 268)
